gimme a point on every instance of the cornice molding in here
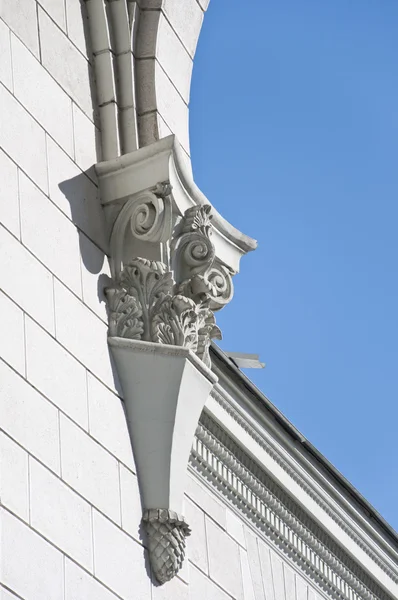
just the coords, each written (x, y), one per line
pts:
(260, 500)
(292, 471)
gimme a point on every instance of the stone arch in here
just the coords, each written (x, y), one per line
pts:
(143, 54)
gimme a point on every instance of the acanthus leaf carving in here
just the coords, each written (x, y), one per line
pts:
(125, 314)
(151, 302)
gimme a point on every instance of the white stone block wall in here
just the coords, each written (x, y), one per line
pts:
(70, 506)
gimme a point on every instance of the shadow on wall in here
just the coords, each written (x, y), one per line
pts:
(86, 211)
(88, 216)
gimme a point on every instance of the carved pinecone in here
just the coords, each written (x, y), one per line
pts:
(166, 531)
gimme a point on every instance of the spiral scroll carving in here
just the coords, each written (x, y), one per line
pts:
(222, 287)
(149, 216)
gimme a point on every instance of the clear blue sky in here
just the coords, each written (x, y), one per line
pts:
(294, 137)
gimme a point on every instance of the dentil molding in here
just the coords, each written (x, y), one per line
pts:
(222, 464)
(371, 549)
(172, 260)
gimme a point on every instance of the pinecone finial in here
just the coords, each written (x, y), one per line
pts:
(166, 532)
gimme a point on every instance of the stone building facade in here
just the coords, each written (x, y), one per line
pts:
(137, 461)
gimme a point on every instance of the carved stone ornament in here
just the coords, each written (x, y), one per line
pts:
(152, 303)
(172, 257)
(166, 531)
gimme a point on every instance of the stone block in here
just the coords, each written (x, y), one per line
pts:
(196, 543)
(79, 585)
(12, 334)
(248, 588)
(55, 373)
(174, 590)
(60, 515)
(266, 570)
(89, 469)
(9, 198)
(49, 235)
(85, 136)
(203, 498)
(235, 528)
(31, 567)
(41, 95)
(202, 588)
(278, 576)
(174, 59)
(56, 10)
(5, 53)
(75, 194)
(21, 17)
(131, 503)
(254, 565)
(14, 478)
(20, 272)
(203, 4)
(159, 93)
(224, 560)
(65, 63)
(151, 128)
(301, 588)
(29, 418)
(290, 585)
(7, 595)
(119, 561)
(172, 107)
(158, 39)
(22, 138)
(186, 19)
(83, 334)
(108, 421)
(77, 20)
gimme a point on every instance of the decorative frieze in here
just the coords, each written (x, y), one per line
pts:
(293, 472)
(315, 555)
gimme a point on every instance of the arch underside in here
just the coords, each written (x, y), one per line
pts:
(143, 55)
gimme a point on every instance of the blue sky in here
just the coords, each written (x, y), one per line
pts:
(294, 138)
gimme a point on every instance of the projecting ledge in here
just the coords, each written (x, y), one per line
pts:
(165, 388)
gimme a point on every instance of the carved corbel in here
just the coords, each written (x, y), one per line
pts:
(171, 269)
(160, 328)
(145, 217)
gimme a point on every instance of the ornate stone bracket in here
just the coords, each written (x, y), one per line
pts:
(152, 302)
(172, 259)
